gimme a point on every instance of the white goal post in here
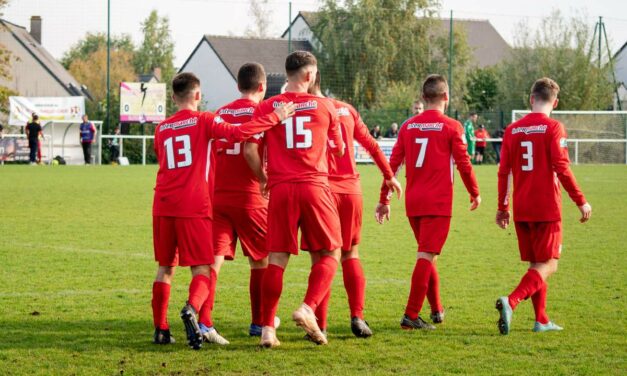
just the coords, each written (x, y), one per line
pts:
(596, 136)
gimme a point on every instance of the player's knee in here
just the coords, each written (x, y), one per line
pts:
(336, 254)
(427, 256)
(201, 270)
(258, 264)
(165, 274)
(353, 253)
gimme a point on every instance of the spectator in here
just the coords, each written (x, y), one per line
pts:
(33, 131)
(481, 135)
(418, 107)
(469, 132)
(376, 132)
(114, 146)
(497, 144)
(87, 135)
(392, 132)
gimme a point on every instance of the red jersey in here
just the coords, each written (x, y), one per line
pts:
(534, 153)
(297, 149)
(481, 135)
(429, 143)
(343, 175)
(235, 183)
(182, 145)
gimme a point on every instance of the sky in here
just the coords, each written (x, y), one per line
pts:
(66, 21)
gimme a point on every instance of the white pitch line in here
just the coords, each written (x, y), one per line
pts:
(38, 247)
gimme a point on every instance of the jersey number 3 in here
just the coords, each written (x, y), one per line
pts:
(185, 150)
(291, 133)
(527, 155)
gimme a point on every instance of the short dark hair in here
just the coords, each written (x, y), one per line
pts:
(250, 76)
(184, 83)
(434, 88)
(545, 89)
(297, 60)
(35, 116)
(473, 113)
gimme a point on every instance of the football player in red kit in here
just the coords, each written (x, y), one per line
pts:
(535, 155)
(346, 191)
(428, 144)
(239, 210)
(182, 204)
(299, 195)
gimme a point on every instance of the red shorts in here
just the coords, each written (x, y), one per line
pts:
(350, 208)
(249, 225)
(431, 232)
(308, 206)
(182, 241)
(539, 241)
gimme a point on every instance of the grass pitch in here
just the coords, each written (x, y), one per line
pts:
(76, 252)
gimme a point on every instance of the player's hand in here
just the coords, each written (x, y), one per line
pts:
(502, 219)
(381, 213)
(394, 186)
(475, 202)
(285, 110)
(586, 212)
(263, 188)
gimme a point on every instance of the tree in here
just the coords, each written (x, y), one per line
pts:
(157, 51)
(367, 46)
(157, 48)
(91, 70)
(93, 42)
(559, 49)
(261, 17)
(483, 89)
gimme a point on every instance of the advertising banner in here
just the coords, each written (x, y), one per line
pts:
(142, 102)
(48, 109)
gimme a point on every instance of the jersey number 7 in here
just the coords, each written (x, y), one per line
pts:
(423, 149)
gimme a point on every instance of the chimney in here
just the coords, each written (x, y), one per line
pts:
(35, 28)
(157, 73)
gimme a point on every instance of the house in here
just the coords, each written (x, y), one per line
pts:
(217, 59)
(33, 71)
(620, 72)
(488, 46)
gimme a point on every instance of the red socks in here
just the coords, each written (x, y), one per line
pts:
(160, 300)
(198, 291)
(322, 311)
(539, 304)
(254, 287)
(207, 307)
(320, 280)
(419, 287)
(355, 285)
(272, 287)
(433, 292)
(529, 284)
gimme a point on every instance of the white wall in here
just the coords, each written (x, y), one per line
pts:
(216, 83)
(300, 30)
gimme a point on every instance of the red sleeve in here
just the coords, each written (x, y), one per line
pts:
(221, 129)
(560, 163)
(336, 144)
(362, 135)
(396, 161)
(462, 160)
(505, 170)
